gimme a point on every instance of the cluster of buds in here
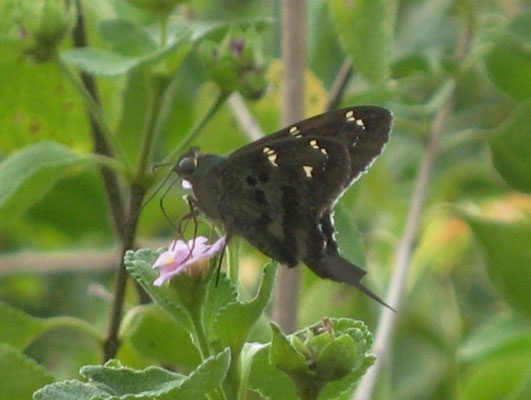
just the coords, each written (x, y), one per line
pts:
(42, 25)
(321, 354)
(236, 63)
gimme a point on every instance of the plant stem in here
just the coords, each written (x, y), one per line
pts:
(339, 86)
(111, 346)
(94, 110)
(387, 322)
(195, 313)
(285, 306)
(233, 260)
(155, 101)
(197, 128)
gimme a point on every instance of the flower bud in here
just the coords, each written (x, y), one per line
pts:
(236, 64)
(324, 353)
(44, 24)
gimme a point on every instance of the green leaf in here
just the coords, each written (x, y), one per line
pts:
(521, 25)
(362, 339)
(21, 376)
(365, 29)
(508, 258)
(234, 322)
(498, 335)
(509, 66)
(121, 381)
(497, 378)
(204, 379)
(156, 336)
(134, 103)
(269, 381)
(341, 349)
(18, 329)
(126, 38)
(139, 263)
(116, 382)
(511, 148)
(101, 62)
(68, 390)
(285, 356)
(220, 294)
(349, 238)
(27, 175)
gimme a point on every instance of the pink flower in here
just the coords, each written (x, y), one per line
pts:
(183, 256)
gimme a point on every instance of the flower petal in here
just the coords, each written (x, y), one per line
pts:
(216, 247)
(164, 258)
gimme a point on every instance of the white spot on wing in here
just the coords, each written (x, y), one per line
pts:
(273, 159)
(350, 116)
(308, 170)
(359, 122)
(294, 131)
(314, 144)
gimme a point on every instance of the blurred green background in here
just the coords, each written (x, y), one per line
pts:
(464, 326)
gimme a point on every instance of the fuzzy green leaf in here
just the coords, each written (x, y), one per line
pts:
(509, 66)
(365, 29)
(155, 335)
(28, 174)
(508, 259)
(108, 63)
(511, 148)
(21, 376)
(139, 264)
(234, 322)
(126, 38)
(18, 329)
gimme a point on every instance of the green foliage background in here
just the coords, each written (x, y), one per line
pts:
(464, 325)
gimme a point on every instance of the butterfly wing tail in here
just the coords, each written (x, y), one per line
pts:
(339, 269)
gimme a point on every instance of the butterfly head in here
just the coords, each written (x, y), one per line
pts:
(187, 163)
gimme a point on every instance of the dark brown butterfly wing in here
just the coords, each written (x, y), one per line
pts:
(363, 130)
(274, 195)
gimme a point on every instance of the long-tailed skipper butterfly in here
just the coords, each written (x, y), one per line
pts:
(279, 192)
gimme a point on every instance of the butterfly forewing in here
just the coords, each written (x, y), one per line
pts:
(363, 130)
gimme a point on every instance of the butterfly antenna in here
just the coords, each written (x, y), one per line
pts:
(137, 213)
(164, 164)
(161, 203)
(218, 268)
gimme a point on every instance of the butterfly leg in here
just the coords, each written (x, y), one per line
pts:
(228, 235)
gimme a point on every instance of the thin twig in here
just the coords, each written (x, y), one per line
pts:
(294, 30)
(101, 144)
(387, 322)
(111, 342)
(80, 260)
(339, 86)
(192, 134)
(244, 118)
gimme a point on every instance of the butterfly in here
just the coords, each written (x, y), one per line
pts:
(279, 192)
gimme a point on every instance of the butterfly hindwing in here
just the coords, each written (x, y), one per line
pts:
(272, 195)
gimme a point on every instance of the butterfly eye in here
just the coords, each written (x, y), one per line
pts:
(187, 165)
